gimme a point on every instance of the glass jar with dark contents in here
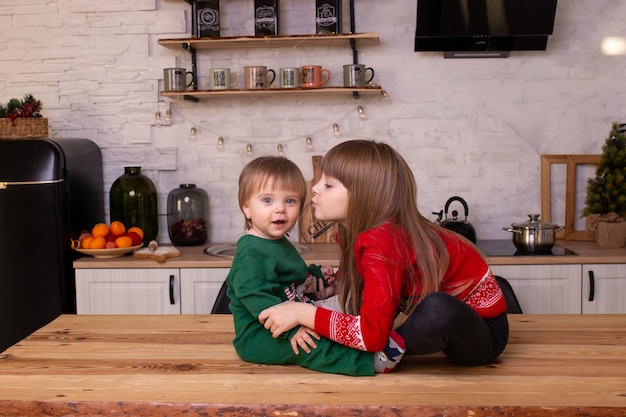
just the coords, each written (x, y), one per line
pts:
(187, 213)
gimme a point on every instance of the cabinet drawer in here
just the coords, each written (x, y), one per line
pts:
(127, 291)
(544, 289)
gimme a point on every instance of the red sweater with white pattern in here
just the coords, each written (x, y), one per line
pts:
(382, 256)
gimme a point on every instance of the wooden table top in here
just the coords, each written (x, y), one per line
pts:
(566, 365)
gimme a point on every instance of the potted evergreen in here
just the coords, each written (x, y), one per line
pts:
(22, 119)
(606, 193)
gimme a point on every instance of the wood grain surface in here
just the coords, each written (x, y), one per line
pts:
(172, 365)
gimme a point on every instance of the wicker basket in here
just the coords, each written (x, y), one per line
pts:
(25, 128)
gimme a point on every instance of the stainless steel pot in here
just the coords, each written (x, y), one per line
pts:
(533, 236)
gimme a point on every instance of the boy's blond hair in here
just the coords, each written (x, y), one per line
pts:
(272, 171)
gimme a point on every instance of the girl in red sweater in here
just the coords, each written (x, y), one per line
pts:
(398, 270)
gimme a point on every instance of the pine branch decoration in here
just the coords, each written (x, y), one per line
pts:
(606, 193)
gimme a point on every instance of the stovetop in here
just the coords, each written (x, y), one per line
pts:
(505, 247)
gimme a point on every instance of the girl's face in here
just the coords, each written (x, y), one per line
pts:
(272, 212)
(330, 200)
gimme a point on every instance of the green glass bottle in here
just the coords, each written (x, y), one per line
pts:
(133, 201)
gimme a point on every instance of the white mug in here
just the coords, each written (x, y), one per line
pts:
(220, 79)
(289, 77)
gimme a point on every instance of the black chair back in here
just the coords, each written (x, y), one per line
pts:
(222, 301)
(512, 305)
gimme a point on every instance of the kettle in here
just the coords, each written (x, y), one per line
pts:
(462, 227)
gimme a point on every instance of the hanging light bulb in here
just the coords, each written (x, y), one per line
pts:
(280, 150)
(249, 150)
(336, 131)
(309, 144)
(362, 114)
(157, 118)
(192, 134)
(220, 144)
(386, 97)
(167, 120)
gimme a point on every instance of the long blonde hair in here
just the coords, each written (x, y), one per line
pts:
(381, 188)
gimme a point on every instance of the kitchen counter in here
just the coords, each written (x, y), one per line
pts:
(328, 254)
(182, 365)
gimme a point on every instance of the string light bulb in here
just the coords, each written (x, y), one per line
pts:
(309, 144)
(249, 150)
(386, 97)
(280, 150)
(336, 131)
(220, 144)
(193, 134)
(362, 114)
(157, 118)
(167, 120)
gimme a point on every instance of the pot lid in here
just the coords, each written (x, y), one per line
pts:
(534, 223)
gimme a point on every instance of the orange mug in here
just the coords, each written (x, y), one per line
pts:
(314, 76)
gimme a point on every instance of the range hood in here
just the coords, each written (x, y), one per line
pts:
(483, 28)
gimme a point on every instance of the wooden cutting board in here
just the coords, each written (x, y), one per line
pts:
(160, 254)
(310, 229)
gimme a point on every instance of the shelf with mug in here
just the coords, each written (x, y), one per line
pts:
(206, 94)
(278, 41)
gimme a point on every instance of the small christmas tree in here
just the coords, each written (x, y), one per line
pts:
(606, 193)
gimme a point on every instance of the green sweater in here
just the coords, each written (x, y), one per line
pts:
(265, 273)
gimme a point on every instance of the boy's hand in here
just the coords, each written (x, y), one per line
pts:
(303, 339)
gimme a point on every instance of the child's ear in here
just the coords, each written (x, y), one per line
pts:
(245, 208)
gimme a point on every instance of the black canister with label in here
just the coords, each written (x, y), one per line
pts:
(266, 13)
(327, 17)
(205, 18)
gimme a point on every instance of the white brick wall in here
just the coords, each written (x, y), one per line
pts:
(473, 128)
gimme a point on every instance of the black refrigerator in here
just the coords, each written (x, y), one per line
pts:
(50, 190)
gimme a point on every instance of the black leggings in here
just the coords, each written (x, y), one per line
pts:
(442, 323)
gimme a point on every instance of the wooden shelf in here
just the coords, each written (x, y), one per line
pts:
(279, 41)
(205, 94)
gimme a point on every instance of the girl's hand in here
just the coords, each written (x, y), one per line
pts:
(287, 315)
(303, 339)
(320, 292)
(329, 274)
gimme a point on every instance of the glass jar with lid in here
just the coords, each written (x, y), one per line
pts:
(187, 215)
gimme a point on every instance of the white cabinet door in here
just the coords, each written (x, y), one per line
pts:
(127, 291)
(544, 289)
(199, 288)
(604, 289)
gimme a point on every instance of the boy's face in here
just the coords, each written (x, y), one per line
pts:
(272, 211)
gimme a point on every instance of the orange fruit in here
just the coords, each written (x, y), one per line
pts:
(124, 242)
(97, 243)
(137, 230)
(86, 241)
(100, 230)
(117, 228)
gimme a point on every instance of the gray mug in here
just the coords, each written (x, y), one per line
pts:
(355, 75)
(289, 77)
(175, 79)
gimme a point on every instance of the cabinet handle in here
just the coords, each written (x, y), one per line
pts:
(592, 286)
(172, 301)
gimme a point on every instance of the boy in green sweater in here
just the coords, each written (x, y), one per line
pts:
(267, 270)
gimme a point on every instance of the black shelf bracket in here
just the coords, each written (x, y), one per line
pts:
(194, 71)
(355, 52)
